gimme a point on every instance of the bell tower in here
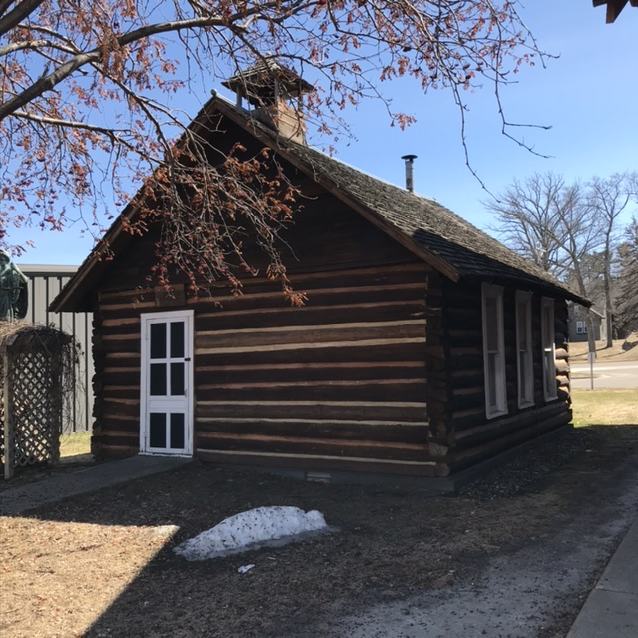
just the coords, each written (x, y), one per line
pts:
(275, 94)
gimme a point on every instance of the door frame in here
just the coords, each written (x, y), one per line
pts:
(189, 355)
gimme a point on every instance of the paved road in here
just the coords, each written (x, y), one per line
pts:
(616, 375)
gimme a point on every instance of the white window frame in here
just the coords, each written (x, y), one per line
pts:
(187, 402)
(496, 292)
(548, 336)
(525, 298)
(581, 327)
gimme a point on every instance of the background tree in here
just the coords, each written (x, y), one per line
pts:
(569, 230)
(88, 93)
(608, 198)
(528, 219)
(627, 295)
(550, 221)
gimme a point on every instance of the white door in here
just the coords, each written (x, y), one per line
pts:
(167, 383)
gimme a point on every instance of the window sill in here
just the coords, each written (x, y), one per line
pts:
(495, 415)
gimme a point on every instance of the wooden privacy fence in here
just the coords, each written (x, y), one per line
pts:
(37, 364)
(45, 282)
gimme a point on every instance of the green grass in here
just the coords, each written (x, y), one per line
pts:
(74, 444)
(605, 407)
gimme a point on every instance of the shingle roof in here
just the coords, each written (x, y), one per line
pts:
(472, 252)
(425, 223)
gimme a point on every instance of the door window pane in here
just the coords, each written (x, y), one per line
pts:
(158, 340)
(158, 379)
(158, 429)
(177, 431)
(177, 379)
(177, 339)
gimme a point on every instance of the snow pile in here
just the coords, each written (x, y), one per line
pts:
(249, 529)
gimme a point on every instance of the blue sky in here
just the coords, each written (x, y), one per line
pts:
(589, 95)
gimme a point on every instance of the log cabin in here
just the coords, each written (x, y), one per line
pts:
(425, 346)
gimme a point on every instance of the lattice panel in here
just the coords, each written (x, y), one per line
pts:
(36, 408)
(34, 402)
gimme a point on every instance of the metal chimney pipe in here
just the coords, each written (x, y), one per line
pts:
(409, 171)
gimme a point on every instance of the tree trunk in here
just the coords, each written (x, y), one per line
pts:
(608, 304)
(583, 293)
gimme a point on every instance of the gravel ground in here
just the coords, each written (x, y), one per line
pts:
(512, 555)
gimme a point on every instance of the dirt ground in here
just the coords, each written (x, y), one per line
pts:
(102, 565)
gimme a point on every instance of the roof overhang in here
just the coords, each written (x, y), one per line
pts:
(614, 7)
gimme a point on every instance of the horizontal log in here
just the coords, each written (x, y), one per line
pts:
(327, 410)
(407, 293)
(123, 321)
(129, 376)
(309, 314)
(141, 293)
(276, 336)
(117, 392)
(131, 306)
(125, 407)
(117, 415)
(406, 431)
(563, 379)
(320, 462)
(404, 350)
(121, 423)
(249, 373)
(309, 445)
(301, 346)
(338, 293)
(349, 390)
(377, 274)
(508, 423)
(107, 450)
(122, 337)
(120, 345)
(129, 435)
(461, 459)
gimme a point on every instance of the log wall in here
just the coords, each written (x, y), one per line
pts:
(337, 384)
(381, 370)
(459, 422)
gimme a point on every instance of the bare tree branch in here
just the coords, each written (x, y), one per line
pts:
(21, 11)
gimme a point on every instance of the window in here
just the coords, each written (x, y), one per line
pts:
(493, 351)
(581, 327)
(547, 337)
(524, 349)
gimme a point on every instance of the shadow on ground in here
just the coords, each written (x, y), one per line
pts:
(391, 545)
